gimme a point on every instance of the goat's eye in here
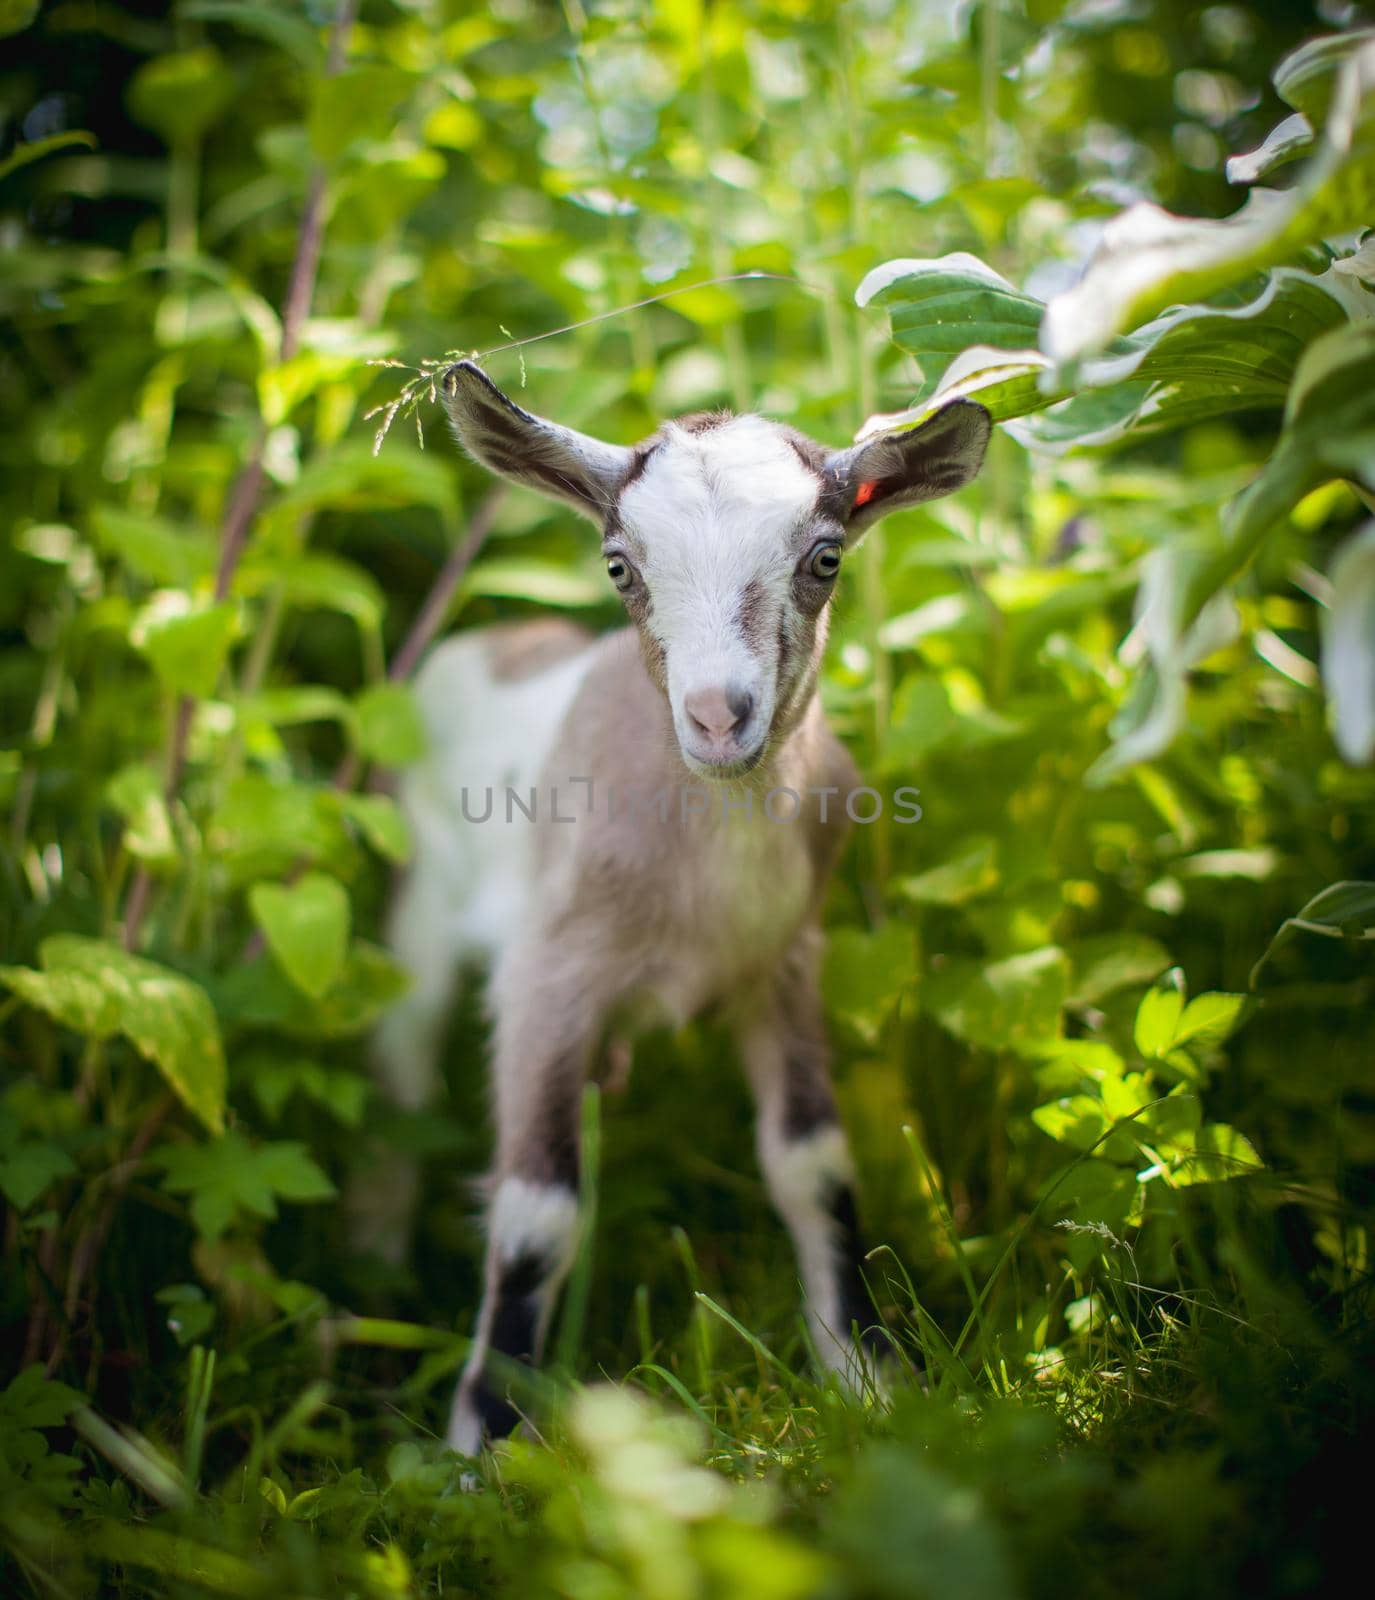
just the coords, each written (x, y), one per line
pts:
(824, 561)
(620, 571)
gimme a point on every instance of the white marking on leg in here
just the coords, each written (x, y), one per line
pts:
(524, 1219)
(803, 1176)
(537, 1219)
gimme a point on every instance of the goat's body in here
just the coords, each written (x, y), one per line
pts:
(635, 829)
(642, 900)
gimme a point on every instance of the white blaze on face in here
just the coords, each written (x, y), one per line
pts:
(716, 517)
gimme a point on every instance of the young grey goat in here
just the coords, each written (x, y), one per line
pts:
(661, 874)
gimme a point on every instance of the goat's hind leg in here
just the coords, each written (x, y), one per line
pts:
(539, 1066)
(806, 1158)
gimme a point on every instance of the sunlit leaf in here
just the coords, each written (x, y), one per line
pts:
(1348, 653)
(97, 988)
(1157, 1017)
(307, 928)
(1150, 259)
(188, 651)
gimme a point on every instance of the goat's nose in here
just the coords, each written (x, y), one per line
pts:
(718, 712)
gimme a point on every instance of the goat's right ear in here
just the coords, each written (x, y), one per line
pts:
(494, 430)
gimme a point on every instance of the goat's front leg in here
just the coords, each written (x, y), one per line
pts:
(539, 1064)
(805, 1155)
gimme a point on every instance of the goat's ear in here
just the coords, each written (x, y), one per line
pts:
(941, 456)
(559, 461)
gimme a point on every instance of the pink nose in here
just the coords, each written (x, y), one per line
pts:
(719, 712)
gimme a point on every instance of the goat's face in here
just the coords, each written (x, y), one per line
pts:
(724, 536)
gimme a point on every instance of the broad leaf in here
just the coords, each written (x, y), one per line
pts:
(152, 548)
(1285, 142)
(1341, 911)
(1109, 962)
(1150, 259)
(188, 651)
(230, 1177)
(1003, 1005)
(1307, 77)
(1219, 1153)
(29, 1169)
(306, 925)
(866, 974)
(97, 988)
(136, 792)
(1191, 363)
(1348, 650)
(390, 729)
(1157, 1017)
(378, 818)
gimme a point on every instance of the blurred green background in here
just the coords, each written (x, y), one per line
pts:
(1147, 1350)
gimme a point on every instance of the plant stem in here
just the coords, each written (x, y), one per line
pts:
(247, 491)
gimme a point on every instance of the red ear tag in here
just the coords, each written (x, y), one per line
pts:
(866, 492)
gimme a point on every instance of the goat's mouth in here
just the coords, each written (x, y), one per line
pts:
(722, 769)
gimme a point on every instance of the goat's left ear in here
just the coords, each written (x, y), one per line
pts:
(942, 455)
(542, 455)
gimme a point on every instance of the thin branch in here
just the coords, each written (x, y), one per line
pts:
(436, 605)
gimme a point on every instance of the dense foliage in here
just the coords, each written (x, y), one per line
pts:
(1102, 1019)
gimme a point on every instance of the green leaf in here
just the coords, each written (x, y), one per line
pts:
(1307, 77)
(36, 149)
(34, 1401)
(313, 580)
(28, 1170)
(271, 22)
(136, 792)
(306, 925)
(551, 583)
(291, 705)
(390, 728)
(1287, 140)
(179, 95)
(968, 874)
(866, 974)
(188, 652)
(1157, 1017)
(152, 548)
(1329, 431)
(1149, 259)
(257, 994)
(381, 823)
(1192, 363)
(938, 308)
(275, 1078)
(1003, 1005)
(1220, 1152)
(261, 828)
(229, 1178)
(1348, 652)
(1106, 963)
(359, 103)
(1341, 911)
(1209, 1019)
(99, 989)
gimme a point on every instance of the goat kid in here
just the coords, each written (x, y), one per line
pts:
(724, 536)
